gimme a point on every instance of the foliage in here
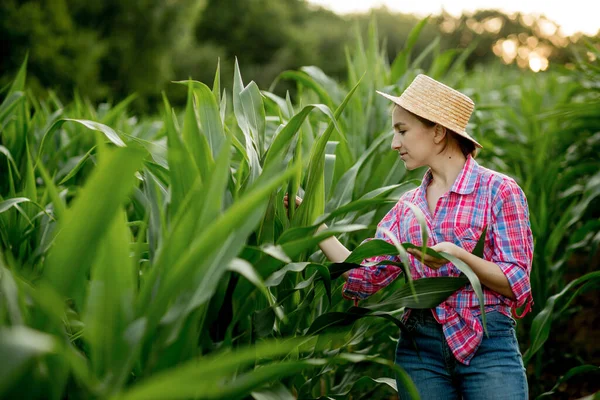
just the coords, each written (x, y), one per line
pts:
(189, 279)
(109, 50)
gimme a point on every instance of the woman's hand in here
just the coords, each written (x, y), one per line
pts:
(286, 201)
(434, 262)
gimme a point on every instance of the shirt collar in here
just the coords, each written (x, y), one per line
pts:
(465, 181)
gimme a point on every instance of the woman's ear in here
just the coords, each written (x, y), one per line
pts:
(439, 133)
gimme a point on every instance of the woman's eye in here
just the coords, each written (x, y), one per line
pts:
(401, 132)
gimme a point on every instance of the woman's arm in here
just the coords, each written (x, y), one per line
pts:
(489, 274)
(333, 249)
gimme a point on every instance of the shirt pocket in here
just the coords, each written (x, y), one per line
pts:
(466, 237)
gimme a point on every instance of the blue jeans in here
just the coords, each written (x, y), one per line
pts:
(495, 372)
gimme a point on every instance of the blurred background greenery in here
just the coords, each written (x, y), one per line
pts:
(108, 50)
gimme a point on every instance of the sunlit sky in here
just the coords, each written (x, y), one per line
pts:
(572, 15)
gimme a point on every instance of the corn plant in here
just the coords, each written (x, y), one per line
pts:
(154, 258)
(136, 259)
(542, 130)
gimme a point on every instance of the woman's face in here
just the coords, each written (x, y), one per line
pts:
(412, 139)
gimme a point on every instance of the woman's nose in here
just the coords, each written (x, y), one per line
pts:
(396, 143)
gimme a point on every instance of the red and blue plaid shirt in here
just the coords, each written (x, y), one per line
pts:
(479, 197)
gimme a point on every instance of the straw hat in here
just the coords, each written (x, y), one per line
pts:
(438, 103)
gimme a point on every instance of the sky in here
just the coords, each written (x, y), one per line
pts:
(571, 15)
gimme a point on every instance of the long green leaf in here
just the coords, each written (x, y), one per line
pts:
(208, 116)
(254, 108)
(402, 60)
(85, 223)
(109, 310)
(252, 151)
(284, 137)
(540, 327)
(110, 134)
(313, 204)
(20, 346)
(193, 138)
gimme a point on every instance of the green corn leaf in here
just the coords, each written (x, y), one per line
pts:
(365, 382)
(441, 63)
(216, 90)
(57, 203)
(112, 116)
(338, 319)
(400, 373)
(345, 186)
(293, 248)
(9, 293)
(210, 122)
(372, 248)
(540, 327)
(402, 60)
(283, 139)
(108, 132)
(579, 370)
(109, 310)
(432, 47)
(275, 392)
(306, 80)
(313, 204)
(78, 166)
(374, 198)
(254, 108)
(422, 223)
(193, 138)
(478, 250)
(8, 105)
(430, 293)
(330, 86)
(85, 223)
(20, 346)
(9, 203)
(254, 167)
(246, 269)
(182, 170)
(218, 243)
(473, 279)
(11, 161)
(191, 378)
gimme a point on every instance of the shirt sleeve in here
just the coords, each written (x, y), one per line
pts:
(365, 281)
(513, 240)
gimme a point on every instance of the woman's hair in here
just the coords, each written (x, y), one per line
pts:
(466, 146)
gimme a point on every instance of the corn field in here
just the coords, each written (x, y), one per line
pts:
(153, 258)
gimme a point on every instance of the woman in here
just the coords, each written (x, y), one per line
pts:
(459, 198)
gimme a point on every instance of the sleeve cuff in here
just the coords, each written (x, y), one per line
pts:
(351, 289)
(518, 281)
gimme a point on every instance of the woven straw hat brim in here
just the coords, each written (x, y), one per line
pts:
(450, 108)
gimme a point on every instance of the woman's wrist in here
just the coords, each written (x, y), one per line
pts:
(460, 253)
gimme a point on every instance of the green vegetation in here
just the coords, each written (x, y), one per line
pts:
(153, 258)
(110, 50)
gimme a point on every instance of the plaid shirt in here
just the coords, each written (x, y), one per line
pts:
(479, 197)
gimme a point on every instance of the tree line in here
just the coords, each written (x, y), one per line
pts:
(107, 50)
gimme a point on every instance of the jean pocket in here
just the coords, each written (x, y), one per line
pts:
(498, 324)
(410, 325)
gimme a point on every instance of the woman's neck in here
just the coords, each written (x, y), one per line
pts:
(445, 169)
